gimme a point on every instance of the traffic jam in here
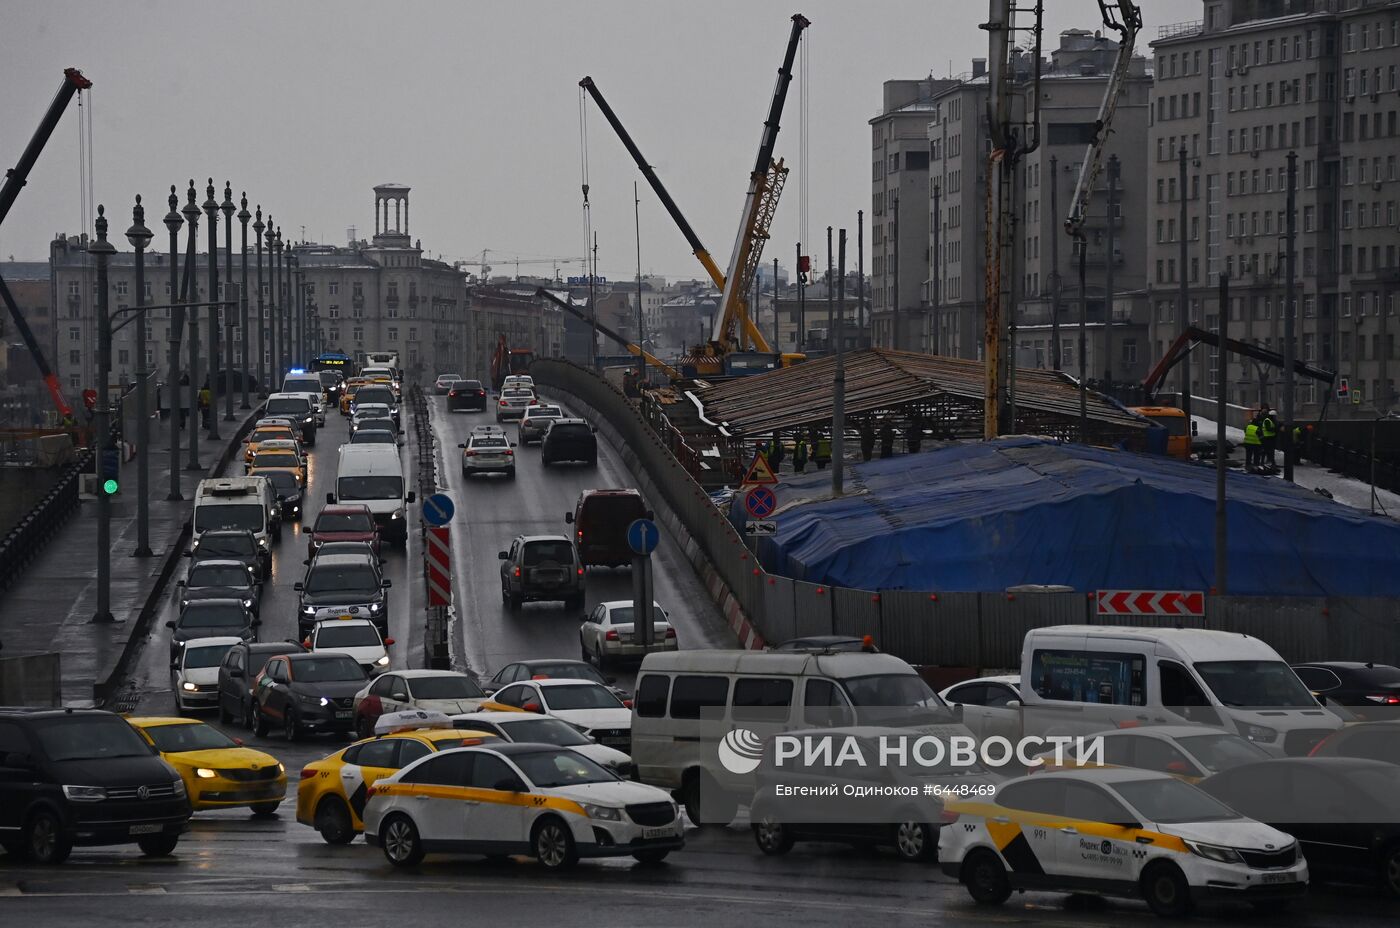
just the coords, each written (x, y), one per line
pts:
(1184, 793)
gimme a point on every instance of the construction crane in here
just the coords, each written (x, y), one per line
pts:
(622, 340)
(15, 178)
(486, 267)
(733, 322)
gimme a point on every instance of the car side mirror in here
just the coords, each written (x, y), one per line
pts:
(238, 741)
(610, 680)
(399, 697)
(569, 518)
(256, 622)
(461, 444)
(411, 496)
(189, 552)
(502, 556)
(170, 624)
(299, 586)
(386, 583)
(17, 760)
(174, 665)
(179, 583)
(514, 445)
(388, 641)
(330, 497)
(235, 673)
(1013, 704)
(509, 785)
(531, 707)
(306, 561)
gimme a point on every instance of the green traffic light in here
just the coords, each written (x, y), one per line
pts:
(109, 487)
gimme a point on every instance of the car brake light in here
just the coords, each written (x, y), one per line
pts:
(627, 704)
(480, 392)
(307, 773)
(510, 453)
(517, 571)
(1386, 700)
(611, 635)
(670, 633)
(580, 571)
(469, 454)
(503, 402)
(580, 534)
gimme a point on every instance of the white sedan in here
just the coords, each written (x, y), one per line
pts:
(607, 634)
(445, 691)
(551, 803)
(444, 382)
(356, 638)
(590, 707)
(526, 726)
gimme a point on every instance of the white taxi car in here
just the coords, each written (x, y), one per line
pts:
(607, 635)
(357, 638)
(1117, 832)
(544, 801)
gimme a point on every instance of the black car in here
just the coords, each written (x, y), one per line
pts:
(375, 425)
(376, 393)
(333, 382)
(541, 568)
(827, 643)
(220, 579)
(298, 693)
(232, 545)
(551, 668)
(343, 584)
(289, 497)
(212, 618)
(569, 440)
(1371, 740)
(299, 409)
(83, 777)
(1344, 811)
(467, 394)
(1358, 686)
(237, 674)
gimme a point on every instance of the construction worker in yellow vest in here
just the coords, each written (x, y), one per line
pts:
(1252, 444)
(1268, 438)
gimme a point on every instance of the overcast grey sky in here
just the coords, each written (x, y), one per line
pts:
(474, 104)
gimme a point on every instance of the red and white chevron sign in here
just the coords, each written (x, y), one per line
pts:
(1151, 602)
(437, 554)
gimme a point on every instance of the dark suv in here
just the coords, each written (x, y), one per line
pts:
(343, 584)
(232, 544)
(569, 440)
(240, 669)
(83, 777)
(466, 394)
(298, 693)
(541, 567)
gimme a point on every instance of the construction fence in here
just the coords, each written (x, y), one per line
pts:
(933, 627)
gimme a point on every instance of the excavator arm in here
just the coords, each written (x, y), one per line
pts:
(1193, 336)
(632, 347)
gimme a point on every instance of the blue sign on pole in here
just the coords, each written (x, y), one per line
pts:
(643, 537)
(760, 502)
(438, 509)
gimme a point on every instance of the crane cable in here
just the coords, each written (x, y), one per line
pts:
(583, 170)
(804, 123)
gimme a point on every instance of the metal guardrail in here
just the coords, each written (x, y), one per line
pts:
(31, 680)
(26, 540)
(436, 627)
(936, 627)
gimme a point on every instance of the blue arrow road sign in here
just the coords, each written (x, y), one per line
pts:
(642, 537)
(438, 509)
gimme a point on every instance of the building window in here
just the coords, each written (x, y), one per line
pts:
(393, 334)
(75, 358)
(75, 334)
(333, 287)
(359, 335)
(73, 289)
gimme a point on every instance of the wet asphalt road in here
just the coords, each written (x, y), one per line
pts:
(233, 870)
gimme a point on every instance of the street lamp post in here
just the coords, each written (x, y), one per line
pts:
(103, 250)
(191, 212)
(211, 211)
(173, 222)
(273, 298)
(262, 318)
(230, 317)
(139, 236)
(243, 217)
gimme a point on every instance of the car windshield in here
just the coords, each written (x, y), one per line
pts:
(548, 552)
(1256, 684)
(226, 546)
(276, 459)
(572, 430)
(378, 424)
(545, 731)
(567, 671)
(370, 410)
(171, 739)
(892, 689)
(384, 486)
(446, 378)
(582, 696)
(622, 615)
(372, 395)
(468, 385)
(326, 670)
(292, 405)
(204, 575)
(86, 737)
(350, 579)
(344, 522)
(445, 688)
(213, 517)
(213, 615)
(1167, 800)
(552, 768)
(284, 482)
(329, 378)
(332, 635)
(545, 412)
(262, 435)
(1218, 752)
(198, 657)
(372, 437)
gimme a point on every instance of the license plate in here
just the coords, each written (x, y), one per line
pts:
(344, 713)
(1289, 877)
(145, 829)
(667, 832)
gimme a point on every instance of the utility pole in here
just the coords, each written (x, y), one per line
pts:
(1054, 280)
(173, 222)
(139, 236)
(861, 319)
(641, 331)
(1113, 168)
(801, 304)
(230, 317)
(830, 291)
(894, 301)
(937, 267)
(1221, 561)
(1183, 294)
(838, 413)
(243, 217)
(1288, 313)
(776, 345)
(191, 295)
(103, 251)
(258, 228)
(211, 210)
(1083, 244)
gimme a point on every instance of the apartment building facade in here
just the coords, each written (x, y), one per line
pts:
(1315, 77)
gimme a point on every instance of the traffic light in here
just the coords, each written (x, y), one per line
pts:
(110, 470)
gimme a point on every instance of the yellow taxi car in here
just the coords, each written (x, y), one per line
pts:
(263, 433)
(332, 793)
(218, 772)
(279, 455)
(347, 395)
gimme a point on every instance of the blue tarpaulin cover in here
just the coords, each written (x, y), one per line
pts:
(984, 516)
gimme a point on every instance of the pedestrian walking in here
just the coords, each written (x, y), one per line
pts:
(1251, 443)
(867, 441)
(799, 455)
(886, 440)
(204, 399)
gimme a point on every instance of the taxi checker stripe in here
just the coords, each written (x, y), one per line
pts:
(471, 794)
(1001, 831)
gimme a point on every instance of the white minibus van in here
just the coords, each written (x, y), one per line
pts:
(373, 475)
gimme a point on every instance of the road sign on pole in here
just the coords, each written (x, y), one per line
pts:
(642, 537)
(1151, 602)
(760, 502)
(437, 552)
(760, 472)
(438, 509)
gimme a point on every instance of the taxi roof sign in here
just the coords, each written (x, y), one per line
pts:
(760, 472)
(410, 720)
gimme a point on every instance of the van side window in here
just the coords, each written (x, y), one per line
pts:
(651, 696)
(1181, 693)
(1104, 677)
(689, 695)
(825, 706)
(762, 699)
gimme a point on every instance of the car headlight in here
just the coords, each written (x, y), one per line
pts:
(262, 543)
(375, 607)
(308, 610)
(1225, 855)
(1260, 733)
(179, 787)
(602, 813)
(247, 604)
(397, 514)
(204, 773)
(187, 685)
(383, 661)
(281, 767)
(314, 700)
(84, 793)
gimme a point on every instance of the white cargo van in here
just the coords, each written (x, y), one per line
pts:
(307, 385)
(687, 701)
(373, 475)
(238, 503)
(1107, 676)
